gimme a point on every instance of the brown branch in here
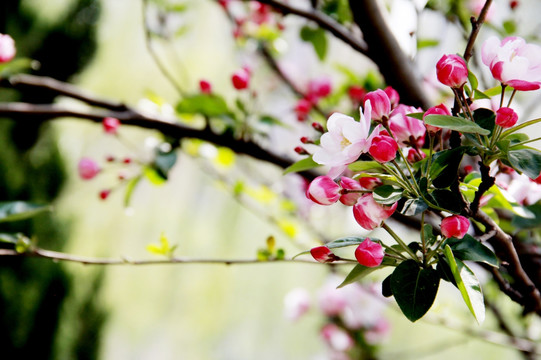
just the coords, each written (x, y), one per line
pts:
(476, 26)
(503, 245)
(384, 50)
(323, 21)
(85, 260)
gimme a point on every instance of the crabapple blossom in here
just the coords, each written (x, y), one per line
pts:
(513, 62)
(383, 148)
(405, 129)
(88, 168)
(381, 105)
(369, 214)
(350, 199)
(337, 338)
(370, 183)
(296, 303)
(323, 254)
(440, 109)
(369, 253)
(7, 48)
(455, 226)
(345, 141)
(452, 71)
(241, 79)
(506, 117)
(323, 190)
(110, 125)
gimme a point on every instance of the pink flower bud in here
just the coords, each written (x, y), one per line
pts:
(323, 190)
(369, 253)
(407, 130)
(7, 48)
(455, 226)
(110, 125)
(381, 105)
(440, 109)
(356, 93)
(393, 95)
(88, 168)
(369, 214)
(452, 71)
(205, 86)
(318, 127)
(241, 79)
(370, 183)
(383, 148)
(350, 199)
(506, 117)
(104, 194)
(323, 254)
(301, 151)
(319, 88)
(336, 338)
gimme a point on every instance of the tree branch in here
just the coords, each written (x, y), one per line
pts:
(476, 26)
(383, 49)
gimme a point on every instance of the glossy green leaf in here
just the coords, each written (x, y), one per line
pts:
(455, 123)
(301, 165)
(444, 166)
(448, 199)
(413, 207)
(485, 118)
(360, 271)
(347, 241)
(387, 194)
(317, 37)
(20, 210)
(468, 248)
(473, 80)
(414, 288)
(527, 161)
(467, 283)
(204, 104)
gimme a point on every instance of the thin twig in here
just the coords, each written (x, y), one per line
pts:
(476, 26)
(85, 260)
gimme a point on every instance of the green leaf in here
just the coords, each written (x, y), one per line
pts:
(533, 222)
(467, 283)
(485, 118)
(418, 115)
(527, 161)
(447, 199)
(204, 104)
(455, 123)
(347, 241)
(470, 249)
(424, 43)
(164, 161)
(428, 233)
(414, 288)
(444, 167)
(477, 94)
(16, 66)
(301, 165)
(152, 175)
(413, 207)
(473, 80)
(20, 210)
(132, 183)
(358, 272)
(315, 36)
(364, 166)
(387, 194)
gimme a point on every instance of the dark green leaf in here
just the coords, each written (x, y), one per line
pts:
(444, 271)
(455, 123)
(470, 249)
(387, 194)
(301, 165)
(428, 233)
(20, 210)
(204, 104)
(527, 161)
(316, 36)
(386, 287)
(448, 199)
(164, 161)
(485, 118)
(528, 223)
(444, 167)
(414, 288)
(467, 283)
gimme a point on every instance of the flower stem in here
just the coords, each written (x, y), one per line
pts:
(400, 242)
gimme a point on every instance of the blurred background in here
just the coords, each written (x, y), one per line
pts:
(184, 311)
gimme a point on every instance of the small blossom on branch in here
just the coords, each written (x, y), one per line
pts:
(452, 71)
(455, 226)
(369, 214)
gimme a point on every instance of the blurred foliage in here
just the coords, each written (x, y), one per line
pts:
(34, 292)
